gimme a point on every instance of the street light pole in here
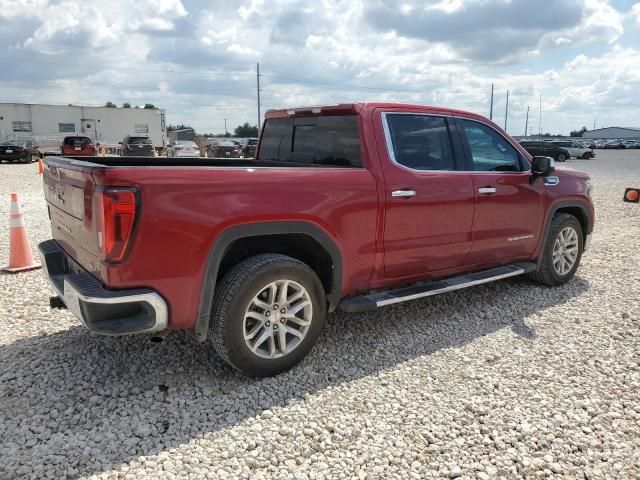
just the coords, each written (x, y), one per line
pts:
(225, 126)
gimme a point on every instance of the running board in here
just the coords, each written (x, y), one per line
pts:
(372, 301)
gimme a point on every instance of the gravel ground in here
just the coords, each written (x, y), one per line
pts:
(508, 380)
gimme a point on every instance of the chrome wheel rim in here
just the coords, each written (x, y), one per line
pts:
(565, 251)
(277, 319)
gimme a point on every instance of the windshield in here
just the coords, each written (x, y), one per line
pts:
(77, 141)
(139, 140)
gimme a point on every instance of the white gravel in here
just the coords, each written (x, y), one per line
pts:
(508, 380)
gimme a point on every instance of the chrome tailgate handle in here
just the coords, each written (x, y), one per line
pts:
(403, 193)
(487, 190)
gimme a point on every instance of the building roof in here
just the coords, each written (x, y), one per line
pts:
(633, 129)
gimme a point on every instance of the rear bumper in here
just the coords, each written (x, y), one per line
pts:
(108, 312)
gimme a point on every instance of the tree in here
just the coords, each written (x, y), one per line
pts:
(110, 105)
(150, 106)
(126, 105)
(180, 126)
(246, 130)
(578, 133)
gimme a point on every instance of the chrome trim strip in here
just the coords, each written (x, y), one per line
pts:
(391, 301)
(403, 193)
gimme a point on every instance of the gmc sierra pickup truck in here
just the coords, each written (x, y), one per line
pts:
(351, 207)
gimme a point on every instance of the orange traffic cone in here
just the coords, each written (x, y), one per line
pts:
(40, 166)
(20, 256)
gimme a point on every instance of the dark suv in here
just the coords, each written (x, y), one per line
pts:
(249, 149)
(539, 148)
(137, 146)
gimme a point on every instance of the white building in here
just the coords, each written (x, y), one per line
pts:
(613, 132)
(50, 123)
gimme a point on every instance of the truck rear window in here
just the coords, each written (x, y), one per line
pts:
(331, 141)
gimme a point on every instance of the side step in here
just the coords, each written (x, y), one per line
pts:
(372, 301)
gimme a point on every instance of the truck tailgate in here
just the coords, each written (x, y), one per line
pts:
(69, 191)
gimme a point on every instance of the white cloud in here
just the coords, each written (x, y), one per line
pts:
(162, 51)
(635, 11)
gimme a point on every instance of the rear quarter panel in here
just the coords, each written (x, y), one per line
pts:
(183, 211)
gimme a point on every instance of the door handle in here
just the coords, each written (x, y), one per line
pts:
(403, 193)
(487, 190)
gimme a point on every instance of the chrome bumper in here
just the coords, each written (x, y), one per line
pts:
(107, 312)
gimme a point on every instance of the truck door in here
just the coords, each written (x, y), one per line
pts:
(429, 199)
(508, 217)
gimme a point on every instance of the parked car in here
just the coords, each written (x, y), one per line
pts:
(78, 146)
(546, 149)
(575, 149)
(18, 151)
(183, 148)
(631, 144)
(137, 146)
(223, 148)
(614, 145)
(249, 148)
(253, 257)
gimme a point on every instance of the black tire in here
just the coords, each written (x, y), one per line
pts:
(562, 157)
(586, 155)
(235, 293)
(546, 273)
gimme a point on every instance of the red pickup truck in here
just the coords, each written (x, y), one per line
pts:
(351, 207)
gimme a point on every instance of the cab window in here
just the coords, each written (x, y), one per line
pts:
(489, 151)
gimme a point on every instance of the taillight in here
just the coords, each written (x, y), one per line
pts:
(178, 148)
(116, 220)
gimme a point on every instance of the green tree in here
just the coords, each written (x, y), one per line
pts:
(578, 133)
(246, 130)
(150, 106)
(180, 126)
(110, 104)
(126, 105)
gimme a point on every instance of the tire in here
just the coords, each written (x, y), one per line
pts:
(562, 157)
(247, 283)
(548, 272)
(586, 155)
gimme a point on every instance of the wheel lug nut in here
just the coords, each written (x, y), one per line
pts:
(284, 310)
(282, 320)
(275, 307)
(275, 326)
(268, 324)
(267, 313)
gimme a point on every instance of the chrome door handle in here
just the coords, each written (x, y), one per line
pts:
(487, 190)
(403, 193)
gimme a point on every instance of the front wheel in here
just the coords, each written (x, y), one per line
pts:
(562, 157)
(562, 251)
(586, 156)
(268, 312)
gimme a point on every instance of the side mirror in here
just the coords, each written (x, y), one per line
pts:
(541, 166)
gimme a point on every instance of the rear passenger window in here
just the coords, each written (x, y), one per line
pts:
(331, 141)
(490, 151)
(420, 142)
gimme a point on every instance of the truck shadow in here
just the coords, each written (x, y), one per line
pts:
(84, 404)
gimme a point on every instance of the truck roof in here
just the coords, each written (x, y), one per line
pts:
(357, 107)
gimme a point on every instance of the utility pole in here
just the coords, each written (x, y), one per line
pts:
(491, 110)
(225, 126)
(506, 112)
(258, 85)
(526, 122)
(540, 118)
(594, 122)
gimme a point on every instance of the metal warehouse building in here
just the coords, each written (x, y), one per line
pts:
(104, 125)
(614, 132)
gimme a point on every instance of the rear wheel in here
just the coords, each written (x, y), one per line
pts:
(562, 157)
(586, 156)
(562, 251)
(268, 312)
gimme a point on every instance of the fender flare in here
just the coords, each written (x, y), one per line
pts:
(234, 233)
(581, 204)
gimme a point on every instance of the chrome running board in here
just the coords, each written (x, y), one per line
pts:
(372, 301)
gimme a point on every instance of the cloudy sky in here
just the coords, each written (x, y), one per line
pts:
(197, 59)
